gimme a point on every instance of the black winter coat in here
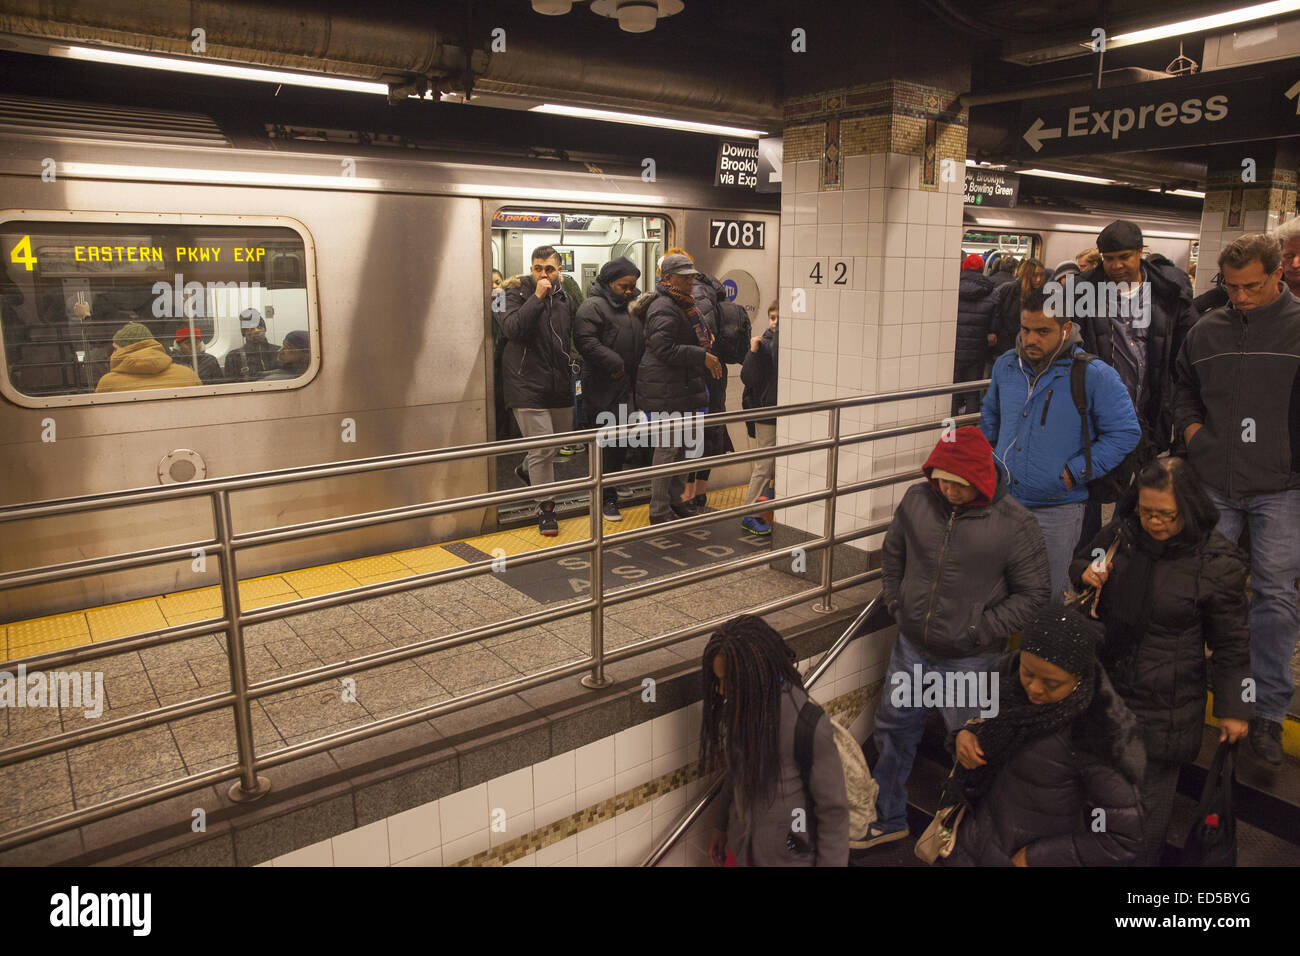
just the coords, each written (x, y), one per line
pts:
(707, 292)
(610, 341)
(672, 373)
(975, 312)
(536, 364)
(759, 373)
(1197, 598)
(1046, 796)
(1172, 315)
(959, 584)
(1006, 316)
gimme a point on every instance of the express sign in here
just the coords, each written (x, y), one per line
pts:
(1218, 107)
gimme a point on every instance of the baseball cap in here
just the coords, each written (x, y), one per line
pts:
(678, 265)
(1119, 235)
(937, 473)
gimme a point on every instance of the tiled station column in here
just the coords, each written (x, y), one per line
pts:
(871, 218)
(1234, 207)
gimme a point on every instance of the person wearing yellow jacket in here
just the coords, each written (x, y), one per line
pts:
(139, 361)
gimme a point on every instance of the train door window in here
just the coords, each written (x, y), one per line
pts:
(990, 244)
(585, 240)
(98, 310)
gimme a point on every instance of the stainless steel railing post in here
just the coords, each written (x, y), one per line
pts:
(597, 676)
(832, 478)
(249, 786)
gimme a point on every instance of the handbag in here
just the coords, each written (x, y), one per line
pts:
(1212, 840)
(1086, 600)
(940, 837)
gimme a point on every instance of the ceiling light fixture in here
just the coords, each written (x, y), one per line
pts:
(1227, 18)
(636, 16)
(1073, 177)
(224, 70)
(637, 119)
(552, 8)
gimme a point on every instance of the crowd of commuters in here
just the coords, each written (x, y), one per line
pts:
(1190, 424)
(664, 352)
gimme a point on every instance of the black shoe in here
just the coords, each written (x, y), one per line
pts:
(522, 473)
(682, 511)
(609, 510)
(700, 502)
(1266, 740)
(674, 516)
(546, 523)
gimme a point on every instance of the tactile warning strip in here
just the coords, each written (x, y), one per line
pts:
(73, 629)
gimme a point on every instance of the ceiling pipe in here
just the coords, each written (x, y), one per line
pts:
(1122, 77)
(681, 82)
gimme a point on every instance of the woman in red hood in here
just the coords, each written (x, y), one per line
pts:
(964, 568)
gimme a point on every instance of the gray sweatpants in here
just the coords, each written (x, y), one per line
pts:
(533, 422)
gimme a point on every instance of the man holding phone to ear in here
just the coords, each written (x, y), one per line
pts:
(537, 369)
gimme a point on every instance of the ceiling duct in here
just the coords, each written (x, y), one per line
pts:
(680, 81)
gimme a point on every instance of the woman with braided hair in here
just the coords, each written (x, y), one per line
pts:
(752, 697)
(1052, 779)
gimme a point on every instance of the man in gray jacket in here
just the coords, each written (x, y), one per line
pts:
(1237, 405)
(965, 566)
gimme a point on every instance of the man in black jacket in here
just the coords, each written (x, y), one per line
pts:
(537, 368)
(965, 566)
(1139, 312)
(1136, 331)
(759, 373)
(610, 341)
(671, 379)
(1237, 406)
(976, 307)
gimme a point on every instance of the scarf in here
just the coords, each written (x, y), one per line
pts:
(686, 303)
(1018, 723)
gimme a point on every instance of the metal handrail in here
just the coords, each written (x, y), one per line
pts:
(688, 819)
(226, 544)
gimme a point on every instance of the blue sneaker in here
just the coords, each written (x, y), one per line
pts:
(756, 525)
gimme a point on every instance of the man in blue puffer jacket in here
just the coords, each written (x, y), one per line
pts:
(1037, 436)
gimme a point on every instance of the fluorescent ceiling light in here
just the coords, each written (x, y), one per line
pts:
(638, 119)
(1214, 21)
(1073, 177)
(224, 70)
(1005, 223)
(1193, 193)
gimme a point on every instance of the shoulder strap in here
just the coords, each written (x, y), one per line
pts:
(809, 715)
(1079, 392)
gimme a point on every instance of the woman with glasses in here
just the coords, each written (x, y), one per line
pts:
(1173, 587)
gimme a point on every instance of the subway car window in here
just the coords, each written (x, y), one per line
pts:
(1020, 246)
(97, 308)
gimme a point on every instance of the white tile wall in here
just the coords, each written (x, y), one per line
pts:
(892, 328)
(459, 825)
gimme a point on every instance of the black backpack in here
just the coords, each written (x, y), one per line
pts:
(733, 332)
(1120, 480)
(1212, 840)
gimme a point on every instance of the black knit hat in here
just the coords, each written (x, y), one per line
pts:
(1062, 637)
(1120, 235)
(617, 269)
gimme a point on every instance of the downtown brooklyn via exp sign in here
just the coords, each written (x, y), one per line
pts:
(1222, 106)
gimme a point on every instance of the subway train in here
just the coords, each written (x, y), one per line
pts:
(1054, 236)
(381, 255)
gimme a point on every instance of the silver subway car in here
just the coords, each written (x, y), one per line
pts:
(368, 270)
